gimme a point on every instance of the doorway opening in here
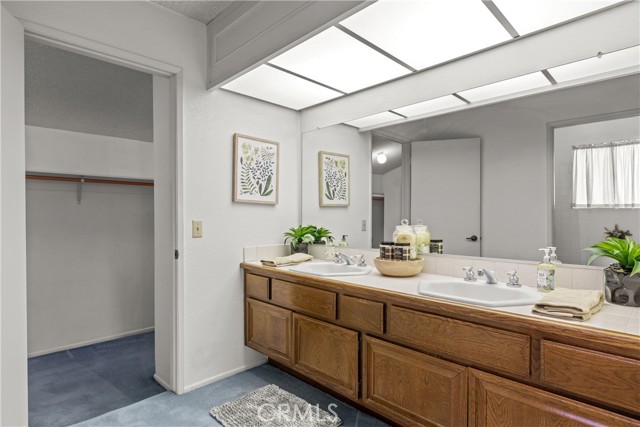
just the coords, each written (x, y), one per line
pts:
(100, 234)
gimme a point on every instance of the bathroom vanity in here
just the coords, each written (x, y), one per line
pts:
(415, 360)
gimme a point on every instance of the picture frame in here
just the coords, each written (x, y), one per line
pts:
(256, 170)
(334, 176)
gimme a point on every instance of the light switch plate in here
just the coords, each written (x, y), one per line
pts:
(364, 225)
(196, 229)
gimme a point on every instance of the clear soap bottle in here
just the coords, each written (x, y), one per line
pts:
(546, 278)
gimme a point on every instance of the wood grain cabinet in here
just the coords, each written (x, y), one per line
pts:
(412, 387)
(495, 401)
(420, 362)
(268, 330)
(327, 353)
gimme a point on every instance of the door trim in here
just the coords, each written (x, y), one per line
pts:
(73, 43)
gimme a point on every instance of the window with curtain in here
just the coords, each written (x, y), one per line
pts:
(607, 175)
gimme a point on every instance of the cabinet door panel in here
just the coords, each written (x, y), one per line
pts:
(495, 401)
(327, 353)
(480, 345)
(412, 387)
(312, 301)
(268, 330)
(600, 376)
(256, 286)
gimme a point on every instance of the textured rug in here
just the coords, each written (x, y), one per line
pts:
(271, 406)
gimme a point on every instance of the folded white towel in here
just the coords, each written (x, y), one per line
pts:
(573, 304)
(286, 260)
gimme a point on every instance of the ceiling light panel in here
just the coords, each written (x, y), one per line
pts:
(527, 16)
(430, 106)
(280, 88)
(506, 87)
(336, 59)
(374, 119)
(613, 61)
(423, 33)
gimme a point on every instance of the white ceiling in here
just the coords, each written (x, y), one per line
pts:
(390, 39)
(202, 11)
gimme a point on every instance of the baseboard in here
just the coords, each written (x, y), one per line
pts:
(90, 342)
(223, 375)
(162, 382)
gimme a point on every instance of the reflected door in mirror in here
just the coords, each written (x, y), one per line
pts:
(445, 191)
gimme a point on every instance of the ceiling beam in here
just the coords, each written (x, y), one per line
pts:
(612, 29)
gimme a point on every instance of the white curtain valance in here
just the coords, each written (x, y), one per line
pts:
(607, 175)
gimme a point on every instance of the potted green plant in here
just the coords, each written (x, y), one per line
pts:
(623, 276)
(322, 238)
(299, 237)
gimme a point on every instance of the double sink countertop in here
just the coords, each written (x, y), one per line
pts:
(612, 317)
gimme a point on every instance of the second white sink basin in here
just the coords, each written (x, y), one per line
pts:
(330, 269)
(479, 292)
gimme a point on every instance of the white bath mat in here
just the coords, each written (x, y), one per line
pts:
(270, 406)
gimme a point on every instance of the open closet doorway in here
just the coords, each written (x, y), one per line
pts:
(101, 215)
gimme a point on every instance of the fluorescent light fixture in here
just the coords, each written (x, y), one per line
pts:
(527, 16)
(374, 119)
(506, 87)
(613, 61)
(381, 158)
(280, 88)
(340, 61)
(423, 33)
(430, 106)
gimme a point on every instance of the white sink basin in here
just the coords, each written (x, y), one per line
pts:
(479, 293)
(331, 269)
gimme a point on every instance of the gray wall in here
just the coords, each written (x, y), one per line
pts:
(64, 90)
(576, 229)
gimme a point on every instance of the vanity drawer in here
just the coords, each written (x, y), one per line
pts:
(306, 299)
(361, 313)
(256, 286)
(604, 377)
(479, 345)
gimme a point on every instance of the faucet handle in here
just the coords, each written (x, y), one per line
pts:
(514, 280)
(469, 274)
(359, 260)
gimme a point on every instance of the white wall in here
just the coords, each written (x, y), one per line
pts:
(376, 184)
(213, 310)
(391, 183)
(65, 152)
(90, 265)
(576, 229)
(13, 304)
(341, 139)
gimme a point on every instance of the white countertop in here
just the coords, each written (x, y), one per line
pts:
(612, 317)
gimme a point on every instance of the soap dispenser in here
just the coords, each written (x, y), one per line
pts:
(343, 243)
(553, 258)
(546, 278)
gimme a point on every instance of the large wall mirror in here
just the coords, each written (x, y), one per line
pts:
(501, 172)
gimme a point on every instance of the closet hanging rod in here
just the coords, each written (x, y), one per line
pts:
(88, 180)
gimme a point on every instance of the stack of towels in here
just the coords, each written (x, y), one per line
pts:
(286, 260)
(570, 304)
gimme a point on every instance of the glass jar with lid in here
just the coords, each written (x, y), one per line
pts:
(423, 237)
(404, 234)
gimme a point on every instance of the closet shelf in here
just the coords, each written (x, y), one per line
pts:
(84, 180)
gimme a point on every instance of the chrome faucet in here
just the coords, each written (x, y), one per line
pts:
(488, 276)
(469, 275)
(342, 258)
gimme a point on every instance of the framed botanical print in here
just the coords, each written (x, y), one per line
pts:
(256, 167)
(334, 177)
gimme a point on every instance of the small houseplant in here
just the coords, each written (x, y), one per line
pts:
(321, 248)
(622, 276)
(299, 237)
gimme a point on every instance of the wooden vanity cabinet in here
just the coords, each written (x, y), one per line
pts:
(412, 387)
(417, 361)
(327, 353)
(495, 401)
(268, 330)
